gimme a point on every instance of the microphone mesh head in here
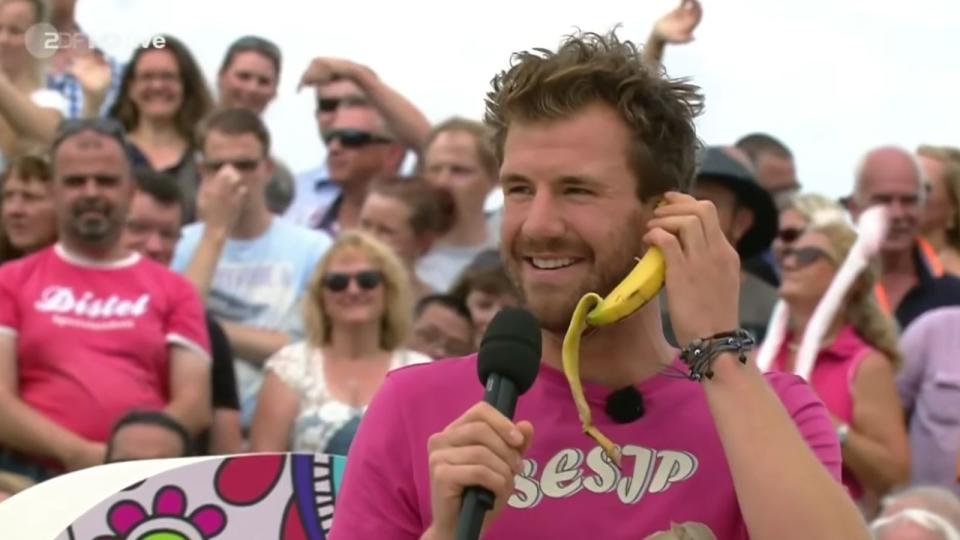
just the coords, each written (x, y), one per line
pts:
(511, 347)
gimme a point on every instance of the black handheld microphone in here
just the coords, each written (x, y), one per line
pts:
(507, 363)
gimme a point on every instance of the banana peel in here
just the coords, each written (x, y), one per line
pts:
(641, 285)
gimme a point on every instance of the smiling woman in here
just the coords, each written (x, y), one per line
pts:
(161, 98)
(357, 313)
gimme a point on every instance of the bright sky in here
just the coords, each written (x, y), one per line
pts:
(831, 78)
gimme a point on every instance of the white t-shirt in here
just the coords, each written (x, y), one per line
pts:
(324, 424)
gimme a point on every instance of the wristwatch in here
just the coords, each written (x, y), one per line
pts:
(843, 430)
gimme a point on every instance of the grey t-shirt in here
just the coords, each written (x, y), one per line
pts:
(757, 299)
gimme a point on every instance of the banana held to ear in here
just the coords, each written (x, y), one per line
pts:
(641, 285)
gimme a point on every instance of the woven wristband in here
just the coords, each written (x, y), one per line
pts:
(700, 354)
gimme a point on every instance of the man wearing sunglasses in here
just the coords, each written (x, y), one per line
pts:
(251, 267)
(360, 151)
(913, 279)
(340, 86)
(90, 330)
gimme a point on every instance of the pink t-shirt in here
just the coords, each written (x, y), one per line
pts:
(93, 339)
(832, 379)
(674, 467)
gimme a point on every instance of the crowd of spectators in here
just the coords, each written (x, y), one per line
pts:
(168, 287)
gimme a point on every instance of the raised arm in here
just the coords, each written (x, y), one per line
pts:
(403, 118)
(28, 120)
(93, 72)
(760, 438)
(28, 431)
(877, 448)
(218, 205)
(675, 28)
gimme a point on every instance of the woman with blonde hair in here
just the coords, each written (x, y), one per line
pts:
(357, 313)
(799, 212)
(830, 330)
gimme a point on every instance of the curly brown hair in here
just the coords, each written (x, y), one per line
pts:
(589, 68)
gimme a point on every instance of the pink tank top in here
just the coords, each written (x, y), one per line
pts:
(832, 379)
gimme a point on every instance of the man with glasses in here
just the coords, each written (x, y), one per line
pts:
(251, 267)
(442, 327)
(248, 79)
(341, 86)
(90, 330)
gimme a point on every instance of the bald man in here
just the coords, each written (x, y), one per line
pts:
(913, 279)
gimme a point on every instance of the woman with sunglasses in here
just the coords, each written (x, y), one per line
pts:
(161, 98)
(854, 369)
(357, 312)
(798, 212)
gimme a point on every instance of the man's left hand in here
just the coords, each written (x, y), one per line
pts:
(702, 268)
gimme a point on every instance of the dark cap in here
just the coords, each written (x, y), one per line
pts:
(724, 166)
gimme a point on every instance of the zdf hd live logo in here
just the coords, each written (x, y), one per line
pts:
(43, 40)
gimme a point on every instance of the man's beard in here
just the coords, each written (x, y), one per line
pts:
(97, 230)
(553, 306)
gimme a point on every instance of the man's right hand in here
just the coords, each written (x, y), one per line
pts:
(481, 448)
(220, 199)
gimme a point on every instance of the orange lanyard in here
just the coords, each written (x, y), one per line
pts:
(934, 265)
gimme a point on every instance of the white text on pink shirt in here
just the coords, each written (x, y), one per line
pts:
(64, 301)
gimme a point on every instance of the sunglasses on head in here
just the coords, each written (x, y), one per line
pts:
(242, 165)
(354, 138)
(339, 281)
(805, 256)
(104, 126)
(789, 236)
(329, 105)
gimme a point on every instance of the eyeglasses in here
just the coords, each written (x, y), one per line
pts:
(329, 105)
(354, 138)
(242, 165)
(789, 235)
(104, 126)
(803, 257)
(339, 281)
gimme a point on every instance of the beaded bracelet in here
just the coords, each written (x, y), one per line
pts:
(699, 355)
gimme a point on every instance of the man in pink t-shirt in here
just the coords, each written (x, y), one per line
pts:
(590, 141)
(90, 330)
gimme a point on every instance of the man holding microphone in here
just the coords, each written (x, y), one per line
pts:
(590, 140)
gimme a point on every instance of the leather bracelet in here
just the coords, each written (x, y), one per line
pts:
(699, 355)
